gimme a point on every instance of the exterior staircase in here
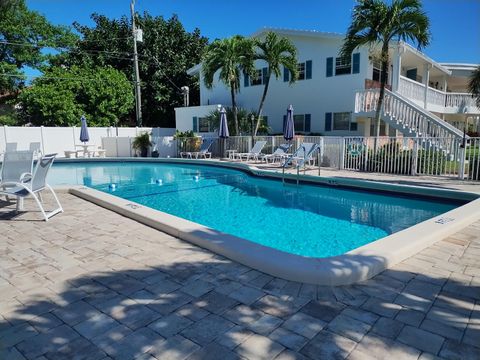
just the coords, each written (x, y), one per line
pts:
(408, 118)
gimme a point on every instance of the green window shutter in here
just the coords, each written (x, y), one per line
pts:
(356, 63)
(328, 121)
(329, 66)
(286, 74)
(195, 124)
(308, 69)
(246, 80)
(264, 75)
(308, 121)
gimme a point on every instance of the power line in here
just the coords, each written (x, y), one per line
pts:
(37, 46)
(111, 54)
(53, 77)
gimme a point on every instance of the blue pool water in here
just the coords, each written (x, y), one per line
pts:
(308, 220)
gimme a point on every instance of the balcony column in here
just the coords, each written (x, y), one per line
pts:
(426, 79)
(444, 83)
(397, 67)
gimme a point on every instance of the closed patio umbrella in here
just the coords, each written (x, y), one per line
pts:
(289, 126)
(84, 130)
(223, 129)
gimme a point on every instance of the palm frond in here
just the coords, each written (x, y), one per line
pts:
(474, 85)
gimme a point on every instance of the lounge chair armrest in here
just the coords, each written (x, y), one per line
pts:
(25, 177)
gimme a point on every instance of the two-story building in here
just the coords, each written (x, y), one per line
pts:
(334, 96)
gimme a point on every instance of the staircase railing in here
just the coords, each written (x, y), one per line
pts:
(407, 115)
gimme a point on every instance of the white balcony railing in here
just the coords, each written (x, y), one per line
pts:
(459, 100)
(435, 97)
(411, 89)
(437, 100)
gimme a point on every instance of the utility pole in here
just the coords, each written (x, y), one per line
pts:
(138, 96)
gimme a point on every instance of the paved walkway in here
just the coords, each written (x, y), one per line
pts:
(91, 284)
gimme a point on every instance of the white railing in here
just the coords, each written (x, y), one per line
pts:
(415, 91)
(413, 156)
(435, 97)
(404, 115)
(411, 89)
(459, 100)
(389, 155)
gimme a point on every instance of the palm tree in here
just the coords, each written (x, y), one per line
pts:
(231, 57)
(474, 85)
(376, 23)
(276, 52)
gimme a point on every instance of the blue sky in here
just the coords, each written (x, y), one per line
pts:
(455, 24)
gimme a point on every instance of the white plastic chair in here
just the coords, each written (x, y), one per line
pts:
(33, 188)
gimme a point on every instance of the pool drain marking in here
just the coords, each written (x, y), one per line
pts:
(443, 221)
(133, 206)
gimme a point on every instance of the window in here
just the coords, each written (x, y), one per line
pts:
(200, 124)
(304, 71)
(343, 65)
(341, 121)
(203, 125)
(301, 122)
(259, 77)
(377, 71)
(301, 71)
(256, 79)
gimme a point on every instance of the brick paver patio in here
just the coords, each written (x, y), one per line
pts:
(91, 284)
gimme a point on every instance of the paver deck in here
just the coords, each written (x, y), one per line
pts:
(91, 284)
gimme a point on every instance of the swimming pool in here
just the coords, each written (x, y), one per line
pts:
(308, 220)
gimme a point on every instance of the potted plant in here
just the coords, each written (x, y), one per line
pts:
(142, 143)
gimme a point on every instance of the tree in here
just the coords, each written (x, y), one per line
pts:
(230, 57)
(23, 36)
(474, 85)
(277, 52)
(62, 95)
(165, 55)
(376, 23)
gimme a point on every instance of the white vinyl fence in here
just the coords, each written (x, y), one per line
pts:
(116, 141)
(456, 158)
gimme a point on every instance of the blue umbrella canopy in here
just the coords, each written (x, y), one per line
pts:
(84, 130)
(223, 129)
(289, 128)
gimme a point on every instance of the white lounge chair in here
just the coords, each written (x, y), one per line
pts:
(254, 153)
(280, 153)
(17, 166)
(203, 152)
(33, 188)
(303, 155)
(36, 147)
(12, 146)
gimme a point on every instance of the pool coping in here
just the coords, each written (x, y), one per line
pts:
(356, 265)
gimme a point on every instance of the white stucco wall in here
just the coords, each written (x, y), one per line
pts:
(184, 115)
(314, 96)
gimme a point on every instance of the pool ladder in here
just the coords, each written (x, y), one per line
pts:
(301, 162)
